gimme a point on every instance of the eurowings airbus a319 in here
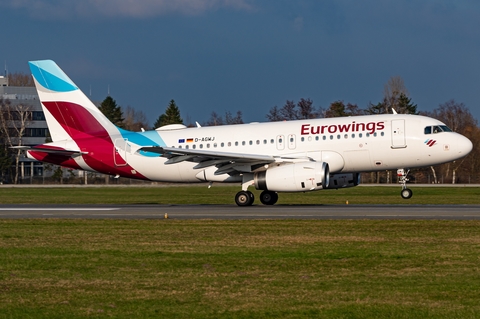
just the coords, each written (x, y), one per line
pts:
(289, 156)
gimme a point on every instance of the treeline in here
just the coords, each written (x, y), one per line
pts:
(396, 97)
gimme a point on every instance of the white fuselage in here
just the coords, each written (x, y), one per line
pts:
(347, 144)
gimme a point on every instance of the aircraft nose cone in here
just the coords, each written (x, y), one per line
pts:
(464, 146)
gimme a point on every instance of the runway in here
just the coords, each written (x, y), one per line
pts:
(230, 212)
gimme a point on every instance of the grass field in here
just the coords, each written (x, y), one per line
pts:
(53, 268)
(239, 269)
(200, 194)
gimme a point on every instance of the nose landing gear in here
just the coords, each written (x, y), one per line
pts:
(406, 193)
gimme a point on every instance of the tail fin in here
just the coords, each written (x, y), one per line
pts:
(69, 113)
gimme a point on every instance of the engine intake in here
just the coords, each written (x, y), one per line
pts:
(294, 177)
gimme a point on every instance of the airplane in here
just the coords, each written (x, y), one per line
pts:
(289, 156)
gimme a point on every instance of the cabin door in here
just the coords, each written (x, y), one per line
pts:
(398, 134)
(120, 152)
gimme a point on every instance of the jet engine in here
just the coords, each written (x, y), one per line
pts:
(343, 180)
(294, 177)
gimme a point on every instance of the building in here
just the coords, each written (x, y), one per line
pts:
(36, 131)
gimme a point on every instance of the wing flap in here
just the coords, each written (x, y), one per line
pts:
(225, 162)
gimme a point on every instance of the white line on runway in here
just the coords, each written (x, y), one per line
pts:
(56, 209)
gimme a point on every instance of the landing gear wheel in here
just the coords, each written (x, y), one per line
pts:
(244, 198)
(406, 193)
(268, 198)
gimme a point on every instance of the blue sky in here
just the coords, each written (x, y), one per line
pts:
(250, 55)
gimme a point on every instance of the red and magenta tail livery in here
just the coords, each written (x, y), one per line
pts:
(294, 156)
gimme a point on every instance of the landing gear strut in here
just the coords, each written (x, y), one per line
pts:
(406, 193)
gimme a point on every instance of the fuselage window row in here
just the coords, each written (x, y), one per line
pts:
(303, 139)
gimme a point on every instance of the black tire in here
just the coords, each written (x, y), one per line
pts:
(406, 193)
(244, 198)
(268, 198)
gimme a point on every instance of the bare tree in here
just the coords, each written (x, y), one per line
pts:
(230, 119)
(20, 79)
(304, 109)
(274, 114)
(134, 120)
(392, 91)
(215, 119)
(458, 118)
(14, 120)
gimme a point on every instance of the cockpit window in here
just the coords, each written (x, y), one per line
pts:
(445, 128)
(437, 129)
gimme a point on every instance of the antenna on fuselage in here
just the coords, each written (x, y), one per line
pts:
(393, 110)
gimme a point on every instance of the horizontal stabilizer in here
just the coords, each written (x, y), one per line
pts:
(57, 151)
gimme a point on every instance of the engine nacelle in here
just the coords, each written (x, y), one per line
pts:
(294, 177)
(343, 180)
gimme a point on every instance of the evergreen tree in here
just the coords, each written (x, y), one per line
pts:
(171, 116)
(112, 111)
(405, 105)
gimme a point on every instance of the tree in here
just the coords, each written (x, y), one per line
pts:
(379, 108)
(339, 109)
(274, 114)
(171, 116)
(135, 120)
(215, 119)
(112, 111)
(304, 109)
(230, 119)
(20, 79)
(405, 105)
(392, 91)
(5, 161)
(458, 118)
(14, 120)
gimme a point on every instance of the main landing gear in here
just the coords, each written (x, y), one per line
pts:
(406, 193)
(246, 197)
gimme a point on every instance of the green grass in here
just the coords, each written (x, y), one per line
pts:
(239, 269)
(225, 195)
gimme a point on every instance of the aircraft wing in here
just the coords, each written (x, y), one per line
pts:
(225, 162)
